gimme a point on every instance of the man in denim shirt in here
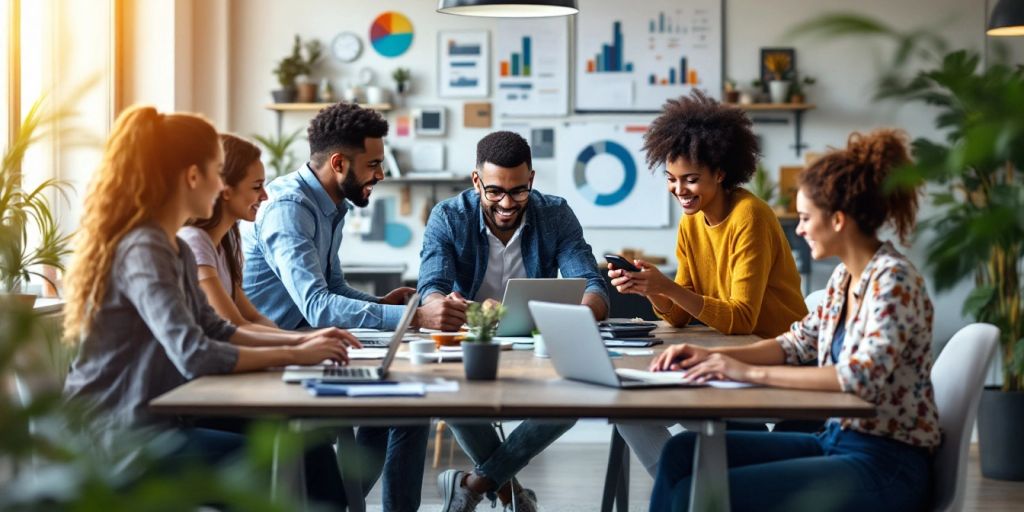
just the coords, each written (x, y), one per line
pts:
(292, 271)
(473, 244)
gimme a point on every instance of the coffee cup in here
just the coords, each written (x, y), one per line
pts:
(421, 351)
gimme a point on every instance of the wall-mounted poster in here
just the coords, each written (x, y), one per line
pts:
(605, 180)
(463, 60)
(531, 63)
(632, 60)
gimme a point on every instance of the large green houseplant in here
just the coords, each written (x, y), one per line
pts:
(26, 212)
(281, 160)
(976, 171)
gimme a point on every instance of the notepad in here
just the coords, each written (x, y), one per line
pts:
(316, 387)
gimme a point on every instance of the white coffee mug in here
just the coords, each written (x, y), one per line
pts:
(540, 349)
(421, 351)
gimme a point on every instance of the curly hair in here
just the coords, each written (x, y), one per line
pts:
(706, 134)
(504, 148)
(239, 154)
(343, 126)
(144, 156)
(852, 181)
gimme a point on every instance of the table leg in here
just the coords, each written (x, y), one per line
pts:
(350, 475)
(710, 481)
(613, 478)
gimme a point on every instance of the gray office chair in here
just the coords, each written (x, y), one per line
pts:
(958, 377)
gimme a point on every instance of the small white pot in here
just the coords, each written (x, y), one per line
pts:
(779, 91)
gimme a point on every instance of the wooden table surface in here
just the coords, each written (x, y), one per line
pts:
(527, 386)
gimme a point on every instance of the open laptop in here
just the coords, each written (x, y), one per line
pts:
(518, 292)
(351, 374)
(578, 351)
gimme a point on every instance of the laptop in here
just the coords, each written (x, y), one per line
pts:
(354, 374)
(518, 292)
(578, 351)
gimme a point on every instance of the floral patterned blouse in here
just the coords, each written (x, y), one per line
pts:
(886, 358)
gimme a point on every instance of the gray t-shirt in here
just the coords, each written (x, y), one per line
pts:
(153, 331)
(207, 254)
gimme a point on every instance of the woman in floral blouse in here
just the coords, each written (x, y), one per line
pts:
(871, 336)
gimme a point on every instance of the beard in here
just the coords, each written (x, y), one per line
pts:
(353, 190)
(491, 212)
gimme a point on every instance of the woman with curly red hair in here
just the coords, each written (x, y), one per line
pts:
(870, 336)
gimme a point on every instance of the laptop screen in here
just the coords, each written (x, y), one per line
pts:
(403, 325)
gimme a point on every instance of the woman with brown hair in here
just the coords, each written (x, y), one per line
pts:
(871, 336)
(134, 307)
(215, 240)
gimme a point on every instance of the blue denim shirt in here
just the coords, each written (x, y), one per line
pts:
(292, 270)
(455, 248)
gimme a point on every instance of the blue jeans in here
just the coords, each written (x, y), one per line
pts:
(834, 470)
(498, 461)
(215, 447)
(399, 454)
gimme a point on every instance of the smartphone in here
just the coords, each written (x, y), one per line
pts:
(620, 262)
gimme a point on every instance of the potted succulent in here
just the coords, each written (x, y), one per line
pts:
(752, 95)
(305, 85)
(480, 352)
(977, 168)
(401, 77)
(778, 65)
(732, 94)
(28, 212)
(281, 159)
(797, 92)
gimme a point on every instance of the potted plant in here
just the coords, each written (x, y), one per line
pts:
(797, 92)
(401, 77)
(280, 158)
(480, 352)
(761, 185)
(978, 228)
(732, 94)
(305, 85)
(752, 95)
(287, 70)
(27, 212)
(778, 65)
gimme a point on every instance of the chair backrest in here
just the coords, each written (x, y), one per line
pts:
(958, 377)
(814, 298)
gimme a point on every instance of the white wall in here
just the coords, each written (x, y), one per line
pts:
(260, 33)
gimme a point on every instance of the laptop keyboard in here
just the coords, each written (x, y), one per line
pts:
(356, 372)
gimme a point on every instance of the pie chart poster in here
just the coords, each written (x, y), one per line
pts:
(603, 175)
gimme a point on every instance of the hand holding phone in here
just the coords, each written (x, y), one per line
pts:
(620, 262)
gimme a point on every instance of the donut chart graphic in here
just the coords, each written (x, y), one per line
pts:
(391, 34)
(628, 166)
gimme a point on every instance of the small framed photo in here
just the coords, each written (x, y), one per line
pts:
(777, 64)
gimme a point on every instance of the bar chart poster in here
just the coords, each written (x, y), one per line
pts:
(464, 58)
(531, 63)
(632, 60)
(603, 177)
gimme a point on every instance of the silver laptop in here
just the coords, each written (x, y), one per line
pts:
(578, 351)
(342, 374)
(518, 292)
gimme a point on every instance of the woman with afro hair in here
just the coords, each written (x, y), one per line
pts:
(736, 272)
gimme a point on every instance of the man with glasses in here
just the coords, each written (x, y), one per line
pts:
(473, 244)
(293, 275)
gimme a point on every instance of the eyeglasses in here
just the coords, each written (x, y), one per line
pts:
(496, 194)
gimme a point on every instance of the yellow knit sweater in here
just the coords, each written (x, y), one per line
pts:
(744, 269)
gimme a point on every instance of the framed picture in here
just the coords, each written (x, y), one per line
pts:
(780, 62)
(463, 58)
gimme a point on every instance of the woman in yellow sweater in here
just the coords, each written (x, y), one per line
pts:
(736, 271)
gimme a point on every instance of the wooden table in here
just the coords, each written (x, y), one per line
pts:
(528, 387)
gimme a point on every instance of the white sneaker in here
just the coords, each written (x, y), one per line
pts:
(456, 497)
